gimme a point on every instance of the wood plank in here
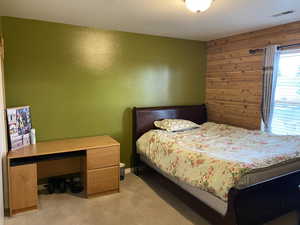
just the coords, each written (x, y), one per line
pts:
(236, 60)
(257, 42)
(237, 121)
(244, 115)
(238, 108)
(233, 80)
(241, 75)
(234, 98)
(233, 84)
(231, 54)
(286, 28)
(234, 77)
(257, 65)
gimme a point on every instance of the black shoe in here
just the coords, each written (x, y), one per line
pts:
(76, 186)
(50, 188)
(62, 187)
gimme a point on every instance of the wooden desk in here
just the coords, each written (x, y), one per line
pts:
(98, 157)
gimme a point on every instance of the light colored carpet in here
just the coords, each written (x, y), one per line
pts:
(140, 202)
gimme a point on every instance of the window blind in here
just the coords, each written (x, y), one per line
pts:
(286, 111)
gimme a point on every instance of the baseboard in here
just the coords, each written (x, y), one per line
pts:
(6, 212)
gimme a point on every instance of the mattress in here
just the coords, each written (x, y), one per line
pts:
(267, 173)
(217, 157)
(209, 199)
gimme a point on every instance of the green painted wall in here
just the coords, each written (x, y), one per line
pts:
(81, 81)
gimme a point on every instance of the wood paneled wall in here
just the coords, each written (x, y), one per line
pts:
(234, 77)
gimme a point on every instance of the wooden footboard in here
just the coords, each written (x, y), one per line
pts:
(265, 201)
(254, 205)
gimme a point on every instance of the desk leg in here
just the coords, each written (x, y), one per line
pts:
(23, 188)
(84, 175)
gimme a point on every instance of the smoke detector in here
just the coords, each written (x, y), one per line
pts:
(283, 13)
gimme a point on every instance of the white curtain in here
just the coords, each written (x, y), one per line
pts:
(269, 85)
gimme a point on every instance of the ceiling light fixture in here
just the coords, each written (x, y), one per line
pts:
(198, 5)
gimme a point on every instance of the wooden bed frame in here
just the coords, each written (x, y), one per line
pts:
(253, 205)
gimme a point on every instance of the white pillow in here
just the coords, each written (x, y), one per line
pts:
(175, 124)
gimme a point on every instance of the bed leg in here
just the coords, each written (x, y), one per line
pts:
(137, 165)
(137, 171)
(298, 216)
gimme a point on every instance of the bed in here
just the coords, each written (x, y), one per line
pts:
(259, 197)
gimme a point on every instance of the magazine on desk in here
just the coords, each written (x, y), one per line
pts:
(19, 126)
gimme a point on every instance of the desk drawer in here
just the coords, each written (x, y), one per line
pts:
(102, 180)
(103, 157)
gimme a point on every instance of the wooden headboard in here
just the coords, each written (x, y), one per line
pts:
(143, 118)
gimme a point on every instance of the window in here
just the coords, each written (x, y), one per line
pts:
(286, 111)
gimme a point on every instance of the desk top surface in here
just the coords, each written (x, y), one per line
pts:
(60, 146)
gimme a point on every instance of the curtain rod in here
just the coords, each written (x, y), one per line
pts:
(253, 51)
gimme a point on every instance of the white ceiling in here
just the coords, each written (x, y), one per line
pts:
(158, 17)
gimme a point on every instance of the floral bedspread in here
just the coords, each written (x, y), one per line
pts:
(214, 157)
